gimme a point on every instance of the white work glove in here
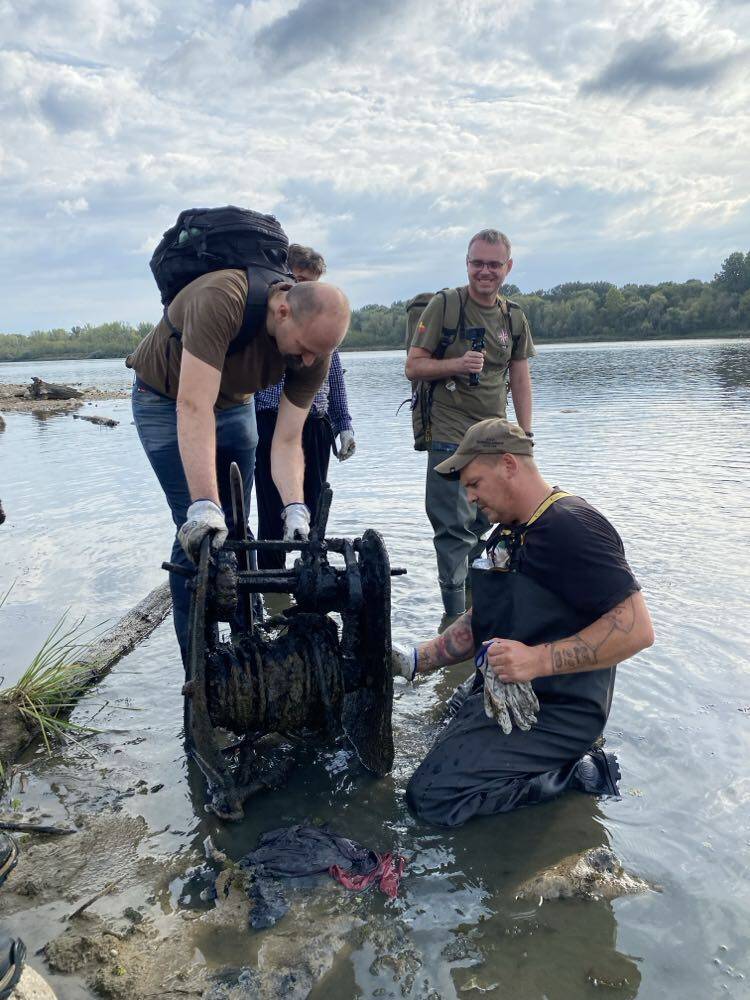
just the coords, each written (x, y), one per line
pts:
(203, 517)
(296, 518)
(404, 661)
(501, 701)
(347, 445)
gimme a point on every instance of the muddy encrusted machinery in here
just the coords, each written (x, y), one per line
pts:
(294, 674)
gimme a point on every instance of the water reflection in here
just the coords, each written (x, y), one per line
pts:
(564, 947)
(732, 369)
(652, 435)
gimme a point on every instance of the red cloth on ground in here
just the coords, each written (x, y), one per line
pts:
(387, 873)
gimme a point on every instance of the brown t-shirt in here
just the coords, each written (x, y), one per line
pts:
(209, 314)
(456, 405)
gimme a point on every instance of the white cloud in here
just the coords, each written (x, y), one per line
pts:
(72, 206)
(382, 147)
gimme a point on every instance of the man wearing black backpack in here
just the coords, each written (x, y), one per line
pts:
(193, 403)
(469, 346)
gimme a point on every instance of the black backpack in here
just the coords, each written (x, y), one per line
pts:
(212, 239)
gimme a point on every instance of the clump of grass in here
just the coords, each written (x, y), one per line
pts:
(46, 692)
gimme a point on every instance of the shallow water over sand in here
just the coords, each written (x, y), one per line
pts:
(656, 437)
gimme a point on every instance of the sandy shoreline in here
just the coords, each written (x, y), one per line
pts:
(15, 398)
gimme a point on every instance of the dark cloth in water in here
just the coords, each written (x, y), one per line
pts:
(303, 850)
(566, 568)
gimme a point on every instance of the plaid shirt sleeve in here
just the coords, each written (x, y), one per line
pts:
(338, 404)
(330, 398)
(269, 399)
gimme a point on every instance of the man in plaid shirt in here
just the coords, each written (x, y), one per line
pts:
(329, 416)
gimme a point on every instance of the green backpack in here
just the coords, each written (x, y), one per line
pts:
(422, 392)
(454, 322)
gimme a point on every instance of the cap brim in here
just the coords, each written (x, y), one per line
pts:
(452, 466)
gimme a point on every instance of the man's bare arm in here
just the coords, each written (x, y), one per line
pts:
(196, 426)
(617, 635)
(287, 457)
(455, 645)
(520, 390)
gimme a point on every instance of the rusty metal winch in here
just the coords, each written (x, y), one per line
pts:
(297, 673)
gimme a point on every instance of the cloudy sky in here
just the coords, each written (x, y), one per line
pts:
(610, 141)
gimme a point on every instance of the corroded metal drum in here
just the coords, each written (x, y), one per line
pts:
(288, 683)
(300, 673)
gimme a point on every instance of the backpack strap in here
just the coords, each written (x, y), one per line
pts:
(259, 281)
(450, 332)
(253, 319)
(510, 305)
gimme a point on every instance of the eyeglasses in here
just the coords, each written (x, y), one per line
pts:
(492, 265)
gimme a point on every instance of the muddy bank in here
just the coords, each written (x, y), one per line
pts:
(135, 941)
(118, 916)
(16, 398)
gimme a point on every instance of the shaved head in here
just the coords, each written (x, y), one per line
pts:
(308, 320)
(321, 311)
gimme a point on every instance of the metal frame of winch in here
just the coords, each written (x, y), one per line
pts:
(296, 668)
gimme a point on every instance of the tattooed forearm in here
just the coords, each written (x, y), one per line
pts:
(453, 646)
(616, 635)
(572, 655)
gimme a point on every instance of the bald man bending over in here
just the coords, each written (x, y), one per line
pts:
(193, 403)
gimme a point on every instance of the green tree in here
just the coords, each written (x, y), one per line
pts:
(735, 273)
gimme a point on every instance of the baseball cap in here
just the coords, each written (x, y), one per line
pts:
(489, 437)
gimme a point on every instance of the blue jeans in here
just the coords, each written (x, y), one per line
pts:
(155, 419)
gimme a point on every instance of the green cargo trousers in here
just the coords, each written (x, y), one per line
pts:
(457, 526)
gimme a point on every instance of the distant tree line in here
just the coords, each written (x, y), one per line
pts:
(599, 310)
(575, 310)
(109, 340)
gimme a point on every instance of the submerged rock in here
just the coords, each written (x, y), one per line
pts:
(595, 874)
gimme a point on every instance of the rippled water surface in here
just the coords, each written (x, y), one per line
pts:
(655, 436)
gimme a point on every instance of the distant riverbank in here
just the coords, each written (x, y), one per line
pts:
(574, 312)
(72, 355)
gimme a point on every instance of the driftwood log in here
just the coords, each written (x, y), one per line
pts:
(40, 389)
(17, 731)
(102, 421)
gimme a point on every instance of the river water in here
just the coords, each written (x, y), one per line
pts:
(656, 436)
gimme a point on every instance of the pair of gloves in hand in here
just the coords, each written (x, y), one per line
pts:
(204, 517)
(506, 703)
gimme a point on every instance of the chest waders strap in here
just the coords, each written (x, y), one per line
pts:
(545, 505)
(515, 539)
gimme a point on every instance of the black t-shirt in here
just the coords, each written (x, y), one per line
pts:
(575, 552)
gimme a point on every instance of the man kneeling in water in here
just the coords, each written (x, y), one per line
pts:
(555, 608)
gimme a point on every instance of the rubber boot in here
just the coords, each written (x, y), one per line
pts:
(8, 855)
(597, 773)
(12, 955)
(454, 600)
